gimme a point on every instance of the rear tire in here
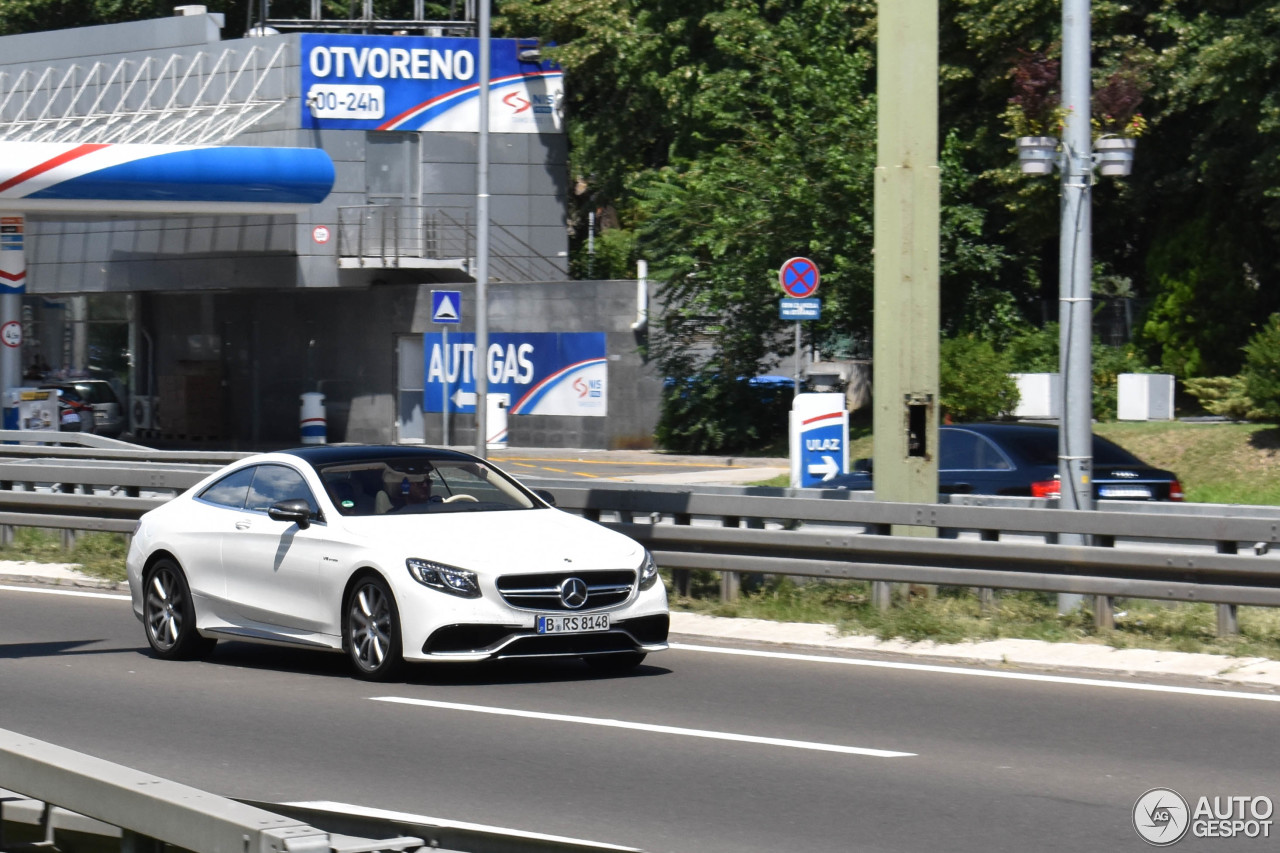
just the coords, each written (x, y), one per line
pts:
(169, 614)
(371, 630)
(617, 663)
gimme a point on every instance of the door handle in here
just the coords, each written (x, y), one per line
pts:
(243, 524)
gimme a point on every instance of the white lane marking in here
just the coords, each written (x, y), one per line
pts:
(74, 592)
(881, 664)
(646, 727)
(407, 817)
(985, 673)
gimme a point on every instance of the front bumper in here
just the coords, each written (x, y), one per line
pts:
(469, 642)
(438, 627)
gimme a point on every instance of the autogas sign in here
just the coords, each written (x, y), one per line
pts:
(546, 373)
(355, 82)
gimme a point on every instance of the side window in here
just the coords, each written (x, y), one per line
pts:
(231, 490)
(274, 483)
(959, 451)
(990, 458)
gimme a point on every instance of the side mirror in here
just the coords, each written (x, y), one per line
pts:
(295, 510)
(546, 496)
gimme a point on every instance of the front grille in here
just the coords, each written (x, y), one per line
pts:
(625, 636)
(557, 645)
(648, 629)
(460, 639)
(542, 591)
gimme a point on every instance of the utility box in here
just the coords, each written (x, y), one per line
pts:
(1040, 395)
(496, 421)
(1144, 397)
(31, 409)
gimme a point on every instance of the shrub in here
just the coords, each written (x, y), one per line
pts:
(713, 414)
(1225, 396)
(974, 382)
(1262, 368)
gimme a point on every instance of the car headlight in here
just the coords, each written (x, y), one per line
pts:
(444, 578)
(648, 571)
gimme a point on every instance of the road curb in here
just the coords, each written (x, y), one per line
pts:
(1080, 658)
(85, 582)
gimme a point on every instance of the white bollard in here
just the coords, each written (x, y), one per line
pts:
(312, 420)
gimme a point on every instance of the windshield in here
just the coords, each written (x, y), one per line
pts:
(96, 392)
(415, 486)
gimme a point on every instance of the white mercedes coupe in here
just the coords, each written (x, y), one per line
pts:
(390, 554)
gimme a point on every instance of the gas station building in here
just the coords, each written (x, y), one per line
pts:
(214, 288)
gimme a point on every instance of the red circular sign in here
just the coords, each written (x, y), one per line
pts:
(799, 277)
(11, 333)
(320, 234)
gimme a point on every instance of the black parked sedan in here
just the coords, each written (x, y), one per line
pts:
(1022, 460)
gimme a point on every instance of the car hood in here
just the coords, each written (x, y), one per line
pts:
(505, 542)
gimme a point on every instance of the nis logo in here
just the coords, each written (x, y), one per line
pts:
(540, 104)
(588, 387)
(1162, 817)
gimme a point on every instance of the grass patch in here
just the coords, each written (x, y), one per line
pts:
(98, 554)
(956, 615)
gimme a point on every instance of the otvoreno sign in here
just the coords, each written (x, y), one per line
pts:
(546, 373)
(354, 82)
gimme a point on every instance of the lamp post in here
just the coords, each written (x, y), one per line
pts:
(1075, 160)
(1075, 276)
(482, 243)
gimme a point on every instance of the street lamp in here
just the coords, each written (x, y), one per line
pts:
(1075, 156)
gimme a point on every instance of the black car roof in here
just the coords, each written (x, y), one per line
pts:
(321, 455)
(1002, 429)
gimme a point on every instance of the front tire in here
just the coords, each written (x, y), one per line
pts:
(372, 630)
(170, 616)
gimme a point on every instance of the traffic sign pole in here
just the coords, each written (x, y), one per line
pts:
(796, 389)
(444, 386)
(446, 311)
(799, 278)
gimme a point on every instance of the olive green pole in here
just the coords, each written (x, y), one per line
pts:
(906, 256)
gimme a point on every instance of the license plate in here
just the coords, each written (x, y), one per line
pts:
(576, 624)
(1124, 491)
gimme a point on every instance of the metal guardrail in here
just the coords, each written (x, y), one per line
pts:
(71, 796)
(149, 808)
(1201, 552)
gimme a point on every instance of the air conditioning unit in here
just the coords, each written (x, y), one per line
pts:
(144, 413)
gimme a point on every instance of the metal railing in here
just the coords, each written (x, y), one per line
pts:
(398, 235)
(1189, 552)
(67, 796)
(147, 808)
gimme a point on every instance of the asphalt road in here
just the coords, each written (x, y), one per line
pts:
(785, 754)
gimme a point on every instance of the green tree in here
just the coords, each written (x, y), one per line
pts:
(973, 380)
(1262, 368)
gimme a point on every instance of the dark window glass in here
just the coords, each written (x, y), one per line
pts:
(275, 483)
(988, 456)
(959, 451)
(1113, 454)
(96, 392)
(231, 490)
